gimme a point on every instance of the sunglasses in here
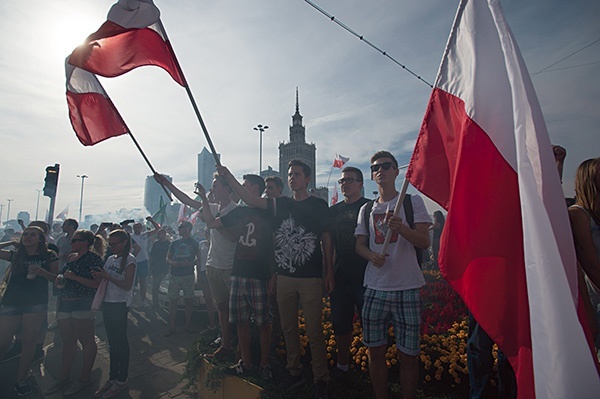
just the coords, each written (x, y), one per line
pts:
(384, 166)
(348, 180)
(74, 240)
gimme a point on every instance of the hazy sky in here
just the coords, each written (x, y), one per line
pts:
(243, 60)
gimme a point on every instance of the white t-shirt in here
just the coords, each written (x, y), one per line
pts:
(401, 270)
(142, 241)
(222, 249)
(115, 294)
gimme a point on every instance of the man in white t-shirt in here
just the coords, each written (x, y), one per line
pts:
(141, 257)
(392, 280)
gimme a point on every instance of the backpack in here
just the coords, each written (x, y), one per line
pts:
(410, 219)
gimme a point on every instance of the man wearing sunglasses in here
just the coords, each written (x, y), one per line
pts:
(349, 267)
(392, 280)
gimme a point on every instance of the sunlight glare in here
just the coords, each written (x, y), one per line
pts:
(69, 31)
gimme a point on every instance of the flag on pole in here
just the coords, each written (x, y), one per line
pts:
(161, 214)
(64, 214)
(334, 197)
(131, 37)
(183, 213)
(339, 161)
(194, 217)
(93, 115)
(483, 153)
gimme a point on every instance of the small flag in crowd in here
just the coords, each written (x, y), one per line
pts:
(334, 197)
(506, 246)
(132, 36)
(339, 161)
(64, 214)
(183, 213)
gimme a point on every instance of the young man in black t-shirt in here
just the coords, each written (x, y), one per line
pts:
(348, 265)
(251, 276)
(303, 255)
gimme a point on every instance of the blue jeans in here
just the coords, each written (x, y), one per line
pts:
(480, 362)
(115, 322)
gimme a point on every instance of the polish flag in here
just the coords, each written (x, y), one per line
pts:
(334, 197)
(183, 213)
(132, 36)
(93, 115)
(483, 153)
(339, 161)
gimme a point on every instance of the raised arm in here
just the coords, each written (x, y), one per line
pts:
(209, 219)
(154, 224)
(180, 195)
(245, 195)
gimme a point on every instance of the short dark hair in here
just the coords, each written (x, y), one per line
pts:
(275, 179)
(384, 154)
(305, 168)
(72, 222)
(255, 180)
(185, 223)
(354, 170)
(222, 180)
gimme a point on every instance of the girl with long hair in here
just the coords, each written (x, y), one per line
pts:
(119, 272)
(76, 319)
(25, 301)
(585, 224)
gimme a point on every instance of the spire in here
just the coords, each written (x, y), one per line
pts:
(297, 103)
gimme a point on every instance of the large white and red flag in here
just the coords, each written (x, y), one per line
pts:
(339, 161)
(93, 115)
(131, 37)
(483, 153)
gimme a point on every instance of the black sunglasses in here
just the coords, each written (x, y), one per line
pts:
(384, 165)
(348, 180)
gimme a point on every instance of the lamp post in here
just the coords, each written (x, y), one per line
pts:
(83, 177)
(261, 129)
(8, 210)
(37, 205)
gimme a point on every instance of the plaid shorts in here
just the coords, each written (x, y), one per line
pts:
(248, 296)
(403, 309)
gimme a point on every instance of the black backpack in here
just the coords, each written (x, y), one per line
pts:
(410, 219)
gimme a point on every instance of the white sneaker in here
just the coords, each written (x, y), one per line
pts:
(115, 389)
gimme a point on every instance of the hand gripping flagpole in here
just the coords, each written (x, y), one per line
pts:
(388, 235)
(190, 95)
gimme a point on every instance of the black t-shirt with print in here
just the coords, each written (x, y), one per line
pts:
(300, 225)
(23, 292)
(254, 247)
(184, 249)
(83, 268)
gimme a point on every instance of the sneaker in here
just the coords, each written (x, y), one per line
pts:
(238, 369)
(292, 381)
(321, 390)
(265, 373)
(22, 388)
(78, 386)
(58, 385)
(107, 385)
(115, 389)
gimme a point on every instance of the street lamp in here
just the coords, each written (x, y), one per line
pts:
(261, 129)
(81, 196)
(8, 210)
(37, 205)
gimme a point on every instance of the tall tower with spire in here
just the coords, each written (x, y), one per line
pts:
(297, 148)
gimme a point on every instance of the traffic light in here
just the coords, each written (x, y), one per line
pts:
(51, 180)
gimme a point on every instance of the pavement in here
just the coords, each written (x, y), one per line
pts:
(157, 363)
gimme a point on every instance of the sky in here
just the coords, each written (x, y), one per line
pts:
(243, 61)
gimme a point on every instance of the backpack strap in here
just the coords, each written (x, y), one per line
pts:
(408, 211)
(367, 217)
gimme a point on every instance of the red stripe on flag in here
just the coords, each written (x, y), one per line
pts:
(114, 50)
(94, 118)
(481, 252)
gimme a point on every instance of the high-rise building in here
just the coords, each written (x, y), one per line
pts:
(206, 167)
(153, 192)
(297, 148)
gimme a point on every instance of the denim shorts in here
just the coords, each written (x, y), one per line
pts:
(79, 308)
(10, 310)
(181, 283)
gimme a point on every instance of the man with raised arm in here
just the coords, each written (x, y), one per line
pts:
(303, 255)
(392, 280)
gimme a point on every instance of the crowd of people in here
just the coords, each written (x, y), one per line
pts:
(262, 258)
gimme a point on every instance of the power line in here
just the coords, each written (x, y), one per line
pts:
(570, 67)
(348, 29)
(564, 58)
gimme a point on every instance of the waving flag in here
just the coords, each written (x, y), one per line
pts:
(64, 214)
(93, 116)
(483, 153)
(131, 37)
(339, 161)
